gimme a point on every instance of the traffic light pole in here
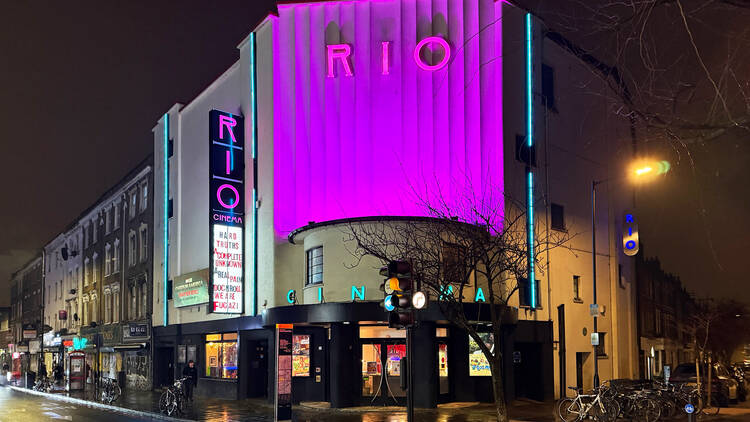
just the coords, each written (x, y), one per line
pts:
(409, 374)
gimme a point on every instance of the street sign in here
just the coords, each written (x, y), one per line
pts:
(667, 373)
(689, 408)
(594, 309)
(630, 241)
(516, 357)
(594, 339)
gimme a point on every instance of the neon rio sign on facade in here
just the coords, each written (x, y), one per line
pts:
(341, 53)
(227, 206)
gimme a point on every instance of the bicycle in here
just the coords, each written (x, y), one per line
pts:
(172, 399)
(42, 384)
(111, 390)
(583, 406)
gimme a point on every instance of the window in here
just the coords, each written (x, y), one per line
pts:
(94, 310)
(107, 260)
(86, 235)
(132, 248)
(221, 355)
(557, 217)
(116, 306)
(524, 153)
(48, 296)
(144, 242)
(86, 272)
(133, 298)
(524, 293)
(95, 269)
(601, 349)
(314, 266)
(577, 289)
(94, 230)
(144, 196)
(144, 291)
(116, 257)
(86, 312)
(107, 307)
(116, 222)
(133, 203)
(548, 86)
(620, 277)
(108, 221)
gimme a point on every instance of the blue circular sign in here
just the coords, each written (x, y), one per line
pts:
(689, 408)
(387, 303)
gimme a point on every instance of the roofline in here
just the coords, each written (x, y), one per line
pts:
(374, 219)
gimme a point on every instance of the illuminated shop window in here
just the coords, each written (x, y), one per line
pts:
(443, 368)
(221, 355)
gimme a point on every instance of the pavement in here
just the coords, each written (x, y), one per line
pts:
(20, 405)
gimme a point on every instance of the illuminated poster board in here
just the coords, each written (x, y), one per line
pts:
(301, 356)
(283, 401)
(226, 211)
(479, 366)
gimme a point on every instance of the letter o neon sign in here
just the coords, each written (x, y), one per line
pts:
(429, 40)
(236, 196)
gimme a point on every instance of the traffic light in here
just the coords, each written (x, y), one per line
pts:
(398, 287)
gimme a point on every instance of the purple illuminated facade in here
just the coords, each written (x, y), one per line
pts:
(385, 133)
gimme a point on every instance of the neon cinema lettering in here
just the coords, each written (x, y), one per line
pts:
(341, 53)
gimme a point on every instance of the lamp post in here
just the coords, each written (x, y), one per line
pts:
(639, 171)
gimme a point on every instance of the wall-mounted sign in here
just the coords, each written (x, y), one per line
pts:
(594, 339)
(226, 211)
(135, 332)
(191, 289)
(29, 331)
(34, 346)
(630, 242)
(62, 315)
(78, 343)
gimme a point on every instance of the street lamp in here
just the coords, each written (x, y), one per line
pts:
(640, 171)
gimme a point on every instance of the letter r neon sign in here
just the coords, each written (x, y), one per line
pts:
(229, 122)
(342, 53)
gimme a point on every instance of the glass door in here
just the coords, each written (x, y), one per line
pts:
(379, 357)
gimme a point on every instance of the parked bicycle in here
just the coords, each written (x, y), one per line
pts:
(42, 384)
(599, 405)
(111, 390)
(172, 399)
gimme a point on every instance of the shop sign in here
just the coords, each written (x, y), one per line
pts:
(191, 289)
(34, 346)
(340, 53)
(22, 349)
(226, 211)
(136, 331)
(29, 331)
(78, 343)
(51, 340)
(111, 335)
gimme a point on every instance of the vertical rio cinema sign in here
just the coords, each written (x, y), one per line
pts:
(226, 212)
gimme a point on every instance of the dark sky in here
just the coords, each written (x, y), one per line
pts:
(83, 83)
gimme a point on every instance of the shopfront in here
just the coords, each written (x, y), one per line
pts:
(53, 351)
(136, 351)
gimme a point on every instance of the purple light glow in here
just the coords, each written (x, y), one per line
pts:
(371, 144)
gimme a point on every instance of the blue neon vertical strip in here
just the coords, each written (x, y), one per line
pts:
(166, 217)
(530, 178)
(253, 149)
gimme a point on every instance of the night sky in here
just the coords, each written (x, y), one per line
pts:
(83, 83)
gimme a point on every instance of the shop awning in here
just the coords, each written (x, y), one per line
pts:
(134, 346)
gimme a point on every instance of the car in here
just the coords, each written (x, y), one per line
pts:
(743, 383)
(723, 386)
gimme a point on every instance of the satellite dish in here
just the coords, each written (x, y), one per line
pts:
(64, 253)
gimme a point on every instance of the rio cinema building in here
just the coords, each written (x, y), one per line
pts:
(343, 111)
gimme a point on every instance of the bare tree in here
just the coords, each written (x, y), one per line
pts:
(456, 250)
(676, 67)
